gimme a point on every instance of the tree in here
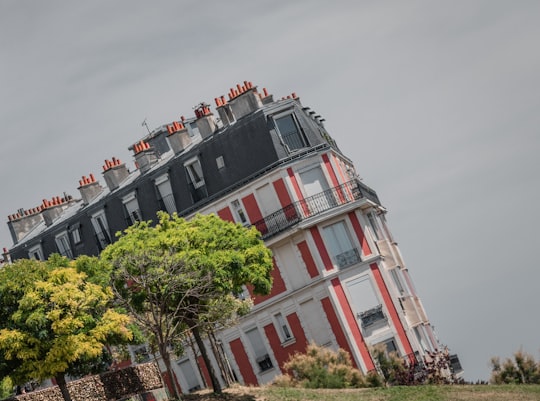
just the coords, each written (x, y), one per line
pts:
(180, 272)
(61, 321)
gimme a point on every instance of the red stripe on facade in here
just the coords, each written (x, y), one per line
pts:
(204, 370)
(353, 325)
(311, 267)
(285, 199)
(226, 214)
(359, 233)
(295, 185)
(328, 265)
(333, 177)
(252, 208)
(392, 310)
(282, 193)
(281, 352)
(330, 170)
(338, 164)
(243, 363)
(336, 328)
(254, 213)
(278, 286)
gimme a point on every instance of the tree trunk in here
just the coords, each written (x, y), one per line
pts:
(167, 361)
(215, 382)
(225, 373)
(61, 382)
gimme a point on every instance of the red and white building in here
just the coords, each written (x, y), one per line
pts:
(339, 278)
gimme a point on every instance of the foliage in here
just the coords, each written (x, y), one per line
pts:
(181, 275)
(320, 367)
(523, 369)
(6, 387)
(433, 369)
(56, 321)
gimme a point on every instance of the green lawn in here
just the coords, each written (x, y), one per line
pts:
(413, 393)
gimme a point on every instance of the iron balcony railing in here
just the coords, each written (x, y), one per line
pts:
(292, 214)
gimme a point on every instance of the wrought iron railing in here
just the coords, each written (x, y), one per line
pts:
(292, 214)
(372, 316)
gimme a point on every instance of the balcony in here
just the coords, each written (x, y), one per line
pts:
(372, 316)
(292, 214)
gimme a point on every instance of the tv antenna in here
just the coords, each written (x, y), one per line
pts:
(145, 124)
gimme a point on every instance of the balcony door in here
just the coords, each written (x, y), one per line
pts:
(316, 190)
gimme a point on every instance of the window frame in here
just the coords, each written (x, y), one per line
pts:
(196, 178)
(62, 241)
(285, 136)
(332, 241)
(284, 330)
(36, 249)
(133, 214)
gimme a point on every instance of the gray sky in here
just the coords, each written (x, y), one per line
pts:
(436, 102)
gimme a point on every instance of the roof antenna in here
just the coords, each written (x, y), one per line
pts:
(145, 124)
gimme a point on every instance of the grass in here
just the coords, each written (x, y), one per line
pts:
(413, 393)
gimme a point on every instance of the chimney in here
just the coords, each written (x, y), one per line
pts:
(114, 173)
(244, 99)
(52, 209)
(89, 188)
(24, 221)
(224, 109)
(265, 97)
(178, 137)
(145, 156)
(206, 123)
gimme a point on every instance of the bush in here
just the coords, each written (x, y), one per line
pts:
(523, 369)
(320, 367)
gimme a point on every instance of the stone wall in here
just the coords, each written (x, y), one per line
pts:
(139, 380)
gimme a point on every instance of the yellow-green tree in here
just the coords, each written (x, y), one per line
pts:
(181, 273)
(57, 321)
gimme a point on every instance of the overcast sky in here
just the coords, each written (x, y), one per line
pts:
(436, 102)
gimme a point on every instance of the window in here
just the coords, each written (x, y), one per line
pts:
(239, 213)
(63, 245)
(76, 235)
(374, 226)
(340, 245)
(194, 172)
(259, 350)
(101, 228)
(220, 162)
(132, 208)
(290, 132)
(397, 277)
(390, 346)
(36, 253)
(163, 185)
(284, 331)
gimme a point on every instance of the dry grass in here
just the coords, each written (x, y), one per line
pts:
(413, 393)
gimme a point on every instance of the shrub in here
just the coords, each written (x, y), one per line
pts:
(320, 367)
(523, 369)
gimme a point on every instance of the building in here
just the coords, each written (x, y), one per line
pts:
(339, 278)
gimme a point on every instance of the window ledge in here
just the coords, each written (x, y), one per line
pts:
(288, 342)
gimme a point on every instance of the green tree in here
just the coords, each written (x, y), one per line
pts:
(180, 272)
(61, 321)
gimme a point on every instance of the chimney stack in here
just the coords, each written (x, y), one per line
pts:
(52, 209)
(24, 221)
(89, 188)
(244, 99)
(114, 172)
(206, 123)
(6, 256)
(145, 156)
(224, 109)
(178, 136)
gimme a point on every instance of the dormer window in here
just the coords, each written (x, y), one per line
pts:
(290, 132)
(194, 172)
(63, 245)
(132, 208)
